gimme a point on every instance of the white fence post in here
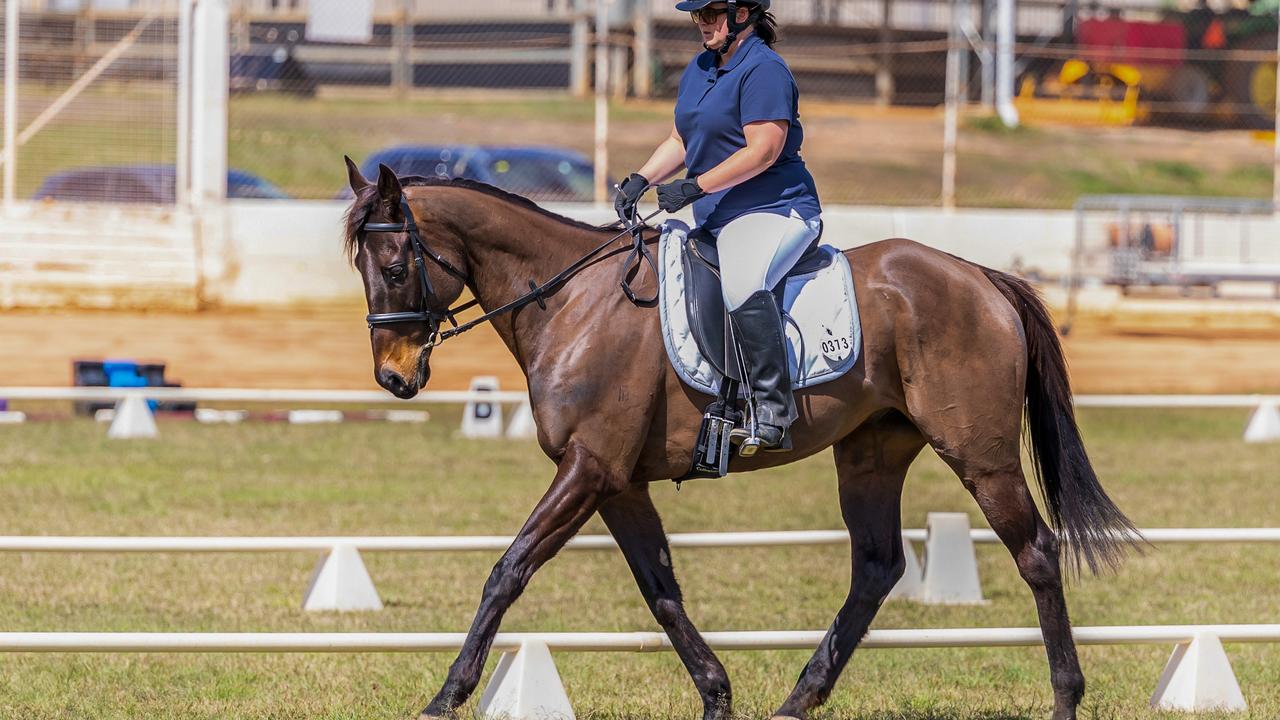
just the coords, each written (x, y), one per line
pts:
(950, 565)
(911, 586)
(210, 82)
(341, 582)
(132, 419)
(522, 425)
(1198, 677)
(1264, 423)
(526, 686)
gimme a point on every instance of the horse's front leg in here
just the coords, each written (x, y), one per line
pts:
(581, 484)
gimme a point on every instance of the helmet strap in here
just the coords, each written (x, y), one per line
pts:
(735, 27)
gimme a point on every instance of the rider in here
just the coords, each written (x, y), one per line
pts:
(737, 131)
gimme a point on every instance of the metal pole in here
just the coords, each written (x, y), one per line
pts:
(402, 62)
(952, 110)
(642, 72)
(1275, 169)
(10, 102)
(602, 100)
(1005, 39)
(182, 163)
(884, 64)
(987, 57)
(578, 52)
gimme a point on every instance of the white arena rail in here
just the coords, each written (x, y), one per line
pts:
(1263, 426)
(342, 582)
(1198, 675)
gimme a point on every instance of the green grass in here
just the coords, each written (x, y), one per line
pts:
(857, 158)
(1166, 468)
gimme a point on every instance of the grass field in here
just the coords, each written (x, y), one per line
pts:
(858, 154)
(1166, 468)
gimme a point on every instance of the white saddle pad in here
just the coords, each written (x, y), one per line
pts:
(824, 336)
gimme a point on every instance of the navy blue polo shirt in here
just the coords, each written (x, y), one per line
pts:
(713, 106)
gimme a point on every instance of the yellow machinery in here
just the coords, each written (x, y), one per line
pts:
(1082, 94)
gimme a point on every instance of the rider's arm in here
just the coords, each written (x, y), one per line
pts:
(765, 140)
(666, 160)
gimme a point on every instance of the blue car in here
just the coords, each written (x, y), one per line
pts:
(153, 184)
(538, 173)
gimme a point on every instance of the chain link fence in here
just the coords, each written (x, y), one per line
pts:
(1123, 96)
(97, 101)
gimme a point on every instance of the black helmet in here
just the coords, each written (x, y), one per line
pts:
(691, 5)
(757, 8)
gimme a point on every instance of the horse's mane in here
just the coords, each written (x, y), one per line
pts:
(368, 195)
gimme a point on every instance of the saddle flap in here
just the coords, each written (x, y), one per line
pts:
(708, 321)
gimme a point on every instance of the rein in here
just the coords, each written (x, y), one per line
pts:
(434, 318)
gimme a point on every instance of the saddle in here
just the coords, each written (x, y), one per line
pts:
(819, 313)
(704, 301)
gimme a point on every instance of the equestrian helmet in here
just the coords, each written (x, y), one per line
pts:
(691, 5)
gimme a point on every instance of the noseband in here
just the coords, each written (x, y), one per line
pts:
(424, 314)
(433, 318)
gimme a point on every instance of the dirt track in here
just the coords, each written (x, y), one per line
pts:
(329, 349)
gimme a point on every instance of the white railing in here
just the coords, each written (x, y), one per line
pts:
(469, 543)
(1198, 675)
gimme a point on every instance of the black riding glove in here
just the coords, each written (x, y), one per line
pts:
(629, 192)
(675, 195)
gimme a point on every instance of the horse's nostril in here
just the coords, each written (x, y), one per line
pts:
(392, 381)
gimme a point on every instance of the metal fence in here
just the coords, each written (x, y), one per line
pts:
(96, 116)
(1120, 97)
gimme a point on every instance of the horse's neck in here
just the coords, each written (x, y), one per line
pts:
(513, 246)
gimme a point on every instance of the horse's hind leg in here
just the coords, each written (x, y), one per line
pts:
(634, 523)
(984, 453)
(1006, 502)
(872, 465)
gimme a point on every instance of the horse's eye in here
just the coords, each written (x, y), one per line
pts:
(396, 272)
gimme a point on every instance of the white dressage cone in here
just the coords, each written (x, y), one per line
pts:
(522, 426)
(482, 419)
(132, 419)
(1264, 424)
(911, 585)
(526, 686)
(950, 565)
(12, 417)
(1198, 677)
(341, 582)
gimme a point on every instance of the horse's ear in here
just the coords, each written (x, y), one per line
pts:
(357, 180)
(389, 191)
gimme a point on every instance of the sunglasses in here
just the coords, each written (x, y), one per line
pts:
(707, 15)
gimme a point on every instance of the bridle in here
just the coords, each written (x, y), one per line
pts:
(424, 314)
(434, 318)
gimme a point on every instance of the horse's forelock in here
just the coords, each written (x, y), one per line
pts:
(355, 217)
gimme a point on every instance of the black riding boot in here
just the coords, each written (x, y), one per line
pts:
(757, 328)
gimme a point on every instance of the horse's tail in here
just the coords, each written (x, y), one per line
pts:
(1096, 531)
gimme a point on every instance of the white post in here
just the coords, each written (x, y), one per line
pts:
(526, 686)
(340, 582)
(10, 102)
(952, 110)
(642, 71)
(578, 50)
(1006, 36)
(1198, 678)
(182, 163)
(602, 101)
(210, 71)
(1275, 170)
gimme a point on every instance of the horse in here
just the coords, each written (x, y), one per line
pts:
(952, 354)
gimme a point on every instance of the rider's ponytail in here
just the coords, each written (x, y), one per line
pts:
(766, 28)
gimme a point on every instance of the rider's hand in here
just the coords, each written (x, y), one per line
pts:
(675, 195)
(629, 192)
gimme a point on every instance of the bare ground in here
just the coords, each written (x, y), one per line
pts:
(328, 348)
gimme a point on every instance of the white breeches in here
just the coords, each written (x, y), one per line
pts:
(757, 250)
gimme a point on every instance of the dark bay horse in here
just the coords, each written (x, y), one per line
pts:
(952, 354)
